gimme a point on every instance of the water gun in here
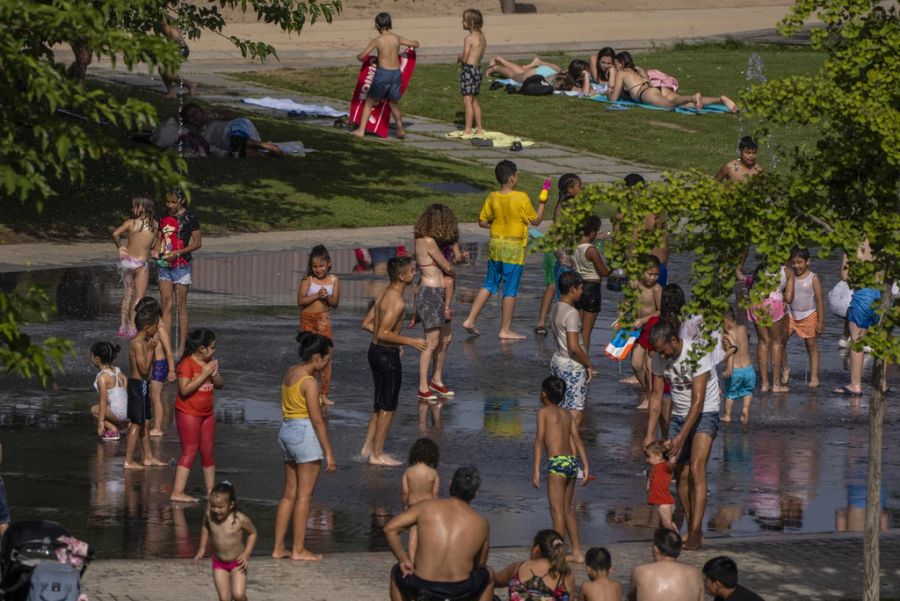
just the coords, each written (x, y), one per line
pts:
(545, 191)
(620, 346)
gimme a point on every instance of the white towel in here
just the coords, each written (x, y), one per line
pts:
(288, 105)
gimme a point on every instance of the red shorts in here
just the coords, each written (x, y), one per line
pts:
(644, 338)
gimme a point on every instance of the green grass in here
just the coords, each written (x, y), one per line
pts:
(652, 137)
(347, 183)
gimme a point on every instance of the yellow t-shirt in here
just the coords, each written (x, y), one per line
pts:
(509, 216)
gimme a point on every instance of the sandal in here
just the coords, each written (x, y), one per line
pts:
(540, 330)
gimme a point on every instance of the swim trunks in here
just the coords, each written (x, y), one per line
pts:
(470, 80)
(741, 384)
(387, 373)
(159, 371)
(469, 589)
(574, 374)
(138, 401)
(385, 85)
(708, 424)
(806, 327)
(508, 273)
(644, 338)
(228, 566)
(4, 505)
(566, 466)
(861, 312)
(430, 306)
(590, 297)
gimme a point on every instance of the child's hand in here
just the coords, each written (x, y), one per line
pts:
(820, 327)
(591, 372)
(536, 479)
(464, 257)
(215, 370)
(323, 293)
(420, 344)
(616, 325)
(330, 465)
(171, 377)
(727, 373)
(151, 344)
(101, 430)
(242, 560)
(585, 478)
(123, 252)
(407, 568)
(413, 321)
(198, 556)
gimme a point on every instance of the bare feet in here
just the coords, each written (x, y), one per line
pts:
(694, 542)
(359, 133)
(644, 404)
(510, 335)
(365, 453)
(133, 466)
(764, 388)
(154, 462)
(785, 375)
(280, 554)
(574, 557)
(813, 383)
(780, 388)
(698, 102)
(384, 460)
(305, 556)
(156, 432)
(469, 326)
(728, 102)
(726, 419)
(629, 380)
(183, 498)
(401, 135)
(745, 416)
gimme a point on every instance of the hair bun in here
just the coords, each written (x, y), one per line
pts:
(116, 348)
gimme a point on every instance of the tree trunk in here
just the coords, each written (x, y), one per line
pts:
(871, 551)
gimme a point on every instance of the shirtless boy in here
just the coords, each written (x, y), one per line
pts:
(557, 432)
(385, 320)
(743, 167)
(649, 302)
(140, 355)
(665, 579)
(600, 587)
(739, 372)
(386, 83)
(470, 73)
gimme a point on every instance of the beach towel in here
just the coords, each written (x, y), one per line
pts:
(707, 109)
(295, 109)
(500, 139)
(620, 346)
(381, 113)
(295, 148)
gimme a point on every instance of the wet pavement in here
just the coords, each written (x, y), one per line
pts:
(799, 467)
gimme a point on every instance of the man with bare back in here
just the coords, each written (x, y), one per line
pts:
(665, 579)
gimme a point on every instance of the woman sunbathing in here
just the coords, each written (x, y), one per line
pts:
(633, 82)
(519, 73)
(603, 68)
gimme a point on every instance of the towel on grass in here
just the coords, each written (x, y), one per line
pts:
(709, 108)
(499, 139)
(296, 149)
(599, 88)
(297, 109)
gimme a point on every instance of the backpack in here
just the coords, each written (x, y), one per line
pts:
(536, 85)
(53, 581)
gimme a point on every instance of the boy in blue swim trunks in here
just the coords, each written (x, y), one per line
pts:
(739, 373)
(557, 432)
(386, 83)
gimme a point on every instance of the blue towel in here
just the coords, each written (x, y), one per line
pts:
(508, 82)
(709, 108)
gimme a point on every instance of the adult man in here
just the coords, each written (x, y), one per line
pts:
(721, 575)
(665, 579)
(451, 558)
(694, 420)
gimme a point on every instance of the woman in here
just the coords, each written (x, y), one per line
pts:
(545, 576)
(633, 82)
(603, 68)
(519, 73)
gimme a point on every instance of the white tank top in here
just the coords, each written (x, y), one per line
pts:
(804, 303)
(583, 265)
(116, 394)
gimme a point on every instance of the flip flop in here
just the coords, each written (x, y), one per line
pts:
(540, 330)
(516, 146)
(845, 391)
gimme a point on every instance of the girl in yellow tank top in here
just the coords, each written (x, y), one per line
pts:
(293, 402)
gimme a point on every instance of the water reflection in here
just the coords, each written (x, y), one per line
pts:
(502, 417)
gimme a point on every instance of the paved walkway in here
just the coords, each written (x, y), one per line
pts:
(779, 567)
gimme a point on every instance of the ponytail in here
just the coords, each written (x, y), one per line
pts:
(105, 351)
(553, 549)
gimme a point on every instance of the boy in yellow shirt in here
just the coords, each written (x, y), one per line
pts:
(507, 213)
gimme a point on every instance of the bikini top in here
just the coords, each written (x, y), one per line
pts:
(293, 403)
(535, 589)
(117, 393)
(314, 288)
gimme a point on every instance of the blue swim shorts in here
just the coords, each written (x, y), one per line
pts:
(4, 506)
(663, 278)
(298, 441)
(707, 424)
(508, 273)
(566, 466)
(861, 312)
(385, 85)
(742, 383)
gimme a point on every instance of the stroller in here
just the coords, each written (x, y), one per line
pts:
(43, 552)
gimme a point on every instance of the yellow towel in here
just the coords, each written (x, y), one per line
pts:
(499, 139)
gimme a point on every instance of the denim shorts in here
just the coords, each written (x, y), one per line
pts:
(176, 275)
(298, 441)
(4, 506)
(507, 273)
(707, 424)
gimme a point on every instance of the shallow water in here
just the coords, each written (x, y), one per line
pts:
(798, 467)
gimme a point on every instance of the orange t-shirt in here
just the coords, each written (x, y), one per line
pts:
(200, 403)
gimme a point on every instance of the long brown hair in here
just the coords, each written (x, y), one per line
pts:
(438, 222)
(553, 549)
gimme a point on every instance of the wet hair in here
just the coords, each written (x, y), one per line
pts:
(148, 303)
(227, 488)
(608, 52)
(395, 265)
(318, 252)
(590, 225)
(310, 344)
(383, 21)
(670, 304)
(598, 558)
(722, 569)
(555, 388)
(656, 448)
(578, 69)
(146, 317)
(197, 338)
(633, 179)
(747, 143)
(662, 332)
(438, 222)
(799, 251)
(465, 483)
(553, 549)
(105, 351)
(426, 451)
(504, 170)
(568, 280)
(473, 19)
(668, 542)
(147, 210)
(564, 185)
(624, 57)
(649, 261)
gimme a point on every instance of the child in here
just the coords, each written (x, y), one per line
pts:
(140, 355)
(304, 441)
(592, 269)
(448, 242)
(319, 293)
(557, 432)
(507, 213)
(163, 369)
(198, 375)
(806, 310)
(421, 481)
(569, 186)
(598, 564)
(112, 409)
(4, 505)
(386, 83)
(233, 536)
(649, 302)
(659, 478)
(470, 73)
(744, 166)
(739, 371)
(570, 361)
(180, 237)
(142, 231)
(385, 320)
